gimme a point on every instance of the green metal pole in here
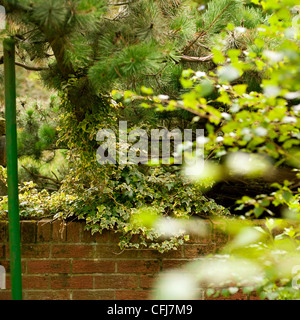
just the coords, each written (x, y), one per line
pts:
(12, 168)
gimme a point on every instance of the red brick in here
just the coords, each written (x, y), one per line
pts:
(174, 264)
(5, 295)
(133, 295)
(28, 231)
(104, 237)
(124, 275)
(59, 231)
(72, 251)
(3, 231)
(86, 236)
(114, 252)
(35, 250)
(254, 296)
(74, 231)
(198, 250)
(32, 251)
(237, 296)
(30, 282)
(116, 281)
(47, 295)
(150, 253)
(242, 296)
(35, 282)
(93, 266)
(6, 265)
(147, 281)
(48, 266)
(93, 295)
(138, 266)
(71, 282)
(204, 235)
(219, 234)
(44, 231)
(2, 251)
(114, 236)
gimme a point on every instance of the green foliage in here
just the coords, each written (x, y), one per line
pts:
(35, 204)
(51, 14)
(41, 159)
(262, 260)
(126, 191)
(133, 62)
(106, 197)
(219, 14)
(37, 127)
(253, 135)
(120, 46)
(256, 132)
(245, 93)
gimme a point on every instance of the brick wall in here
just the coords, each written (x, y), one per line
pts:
(70, 264)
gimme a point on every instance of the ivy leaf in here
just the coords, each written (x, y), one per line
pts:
(210, 292)
(287, 196)
(258, 211)
(218, 57)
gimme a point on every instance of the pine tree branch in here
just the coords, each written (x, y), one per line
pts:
(13, 5)
(204, 32)
(56, 41)
(31, 68)
(217, 18)
(197, 59)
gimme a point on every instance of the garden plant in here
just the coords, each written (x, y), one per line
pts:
(228, 67)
